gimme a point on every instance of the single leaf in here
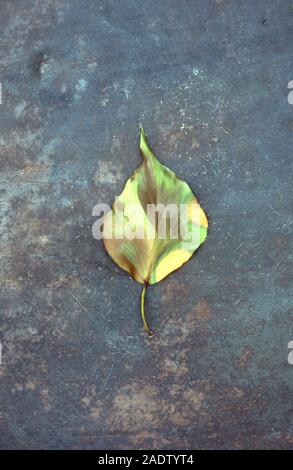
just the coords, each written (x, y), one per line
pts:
(135, 239)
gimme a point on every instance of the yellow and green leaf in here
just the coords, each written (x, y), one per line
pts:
(148, 257)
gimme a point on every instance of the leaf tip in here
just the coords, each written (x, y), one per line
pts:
(143, 144)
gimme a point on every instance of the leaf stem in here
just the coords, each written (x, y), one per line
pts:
(145, 324)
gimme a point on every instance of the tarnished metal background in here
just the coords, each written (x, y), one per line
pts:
(208, 80)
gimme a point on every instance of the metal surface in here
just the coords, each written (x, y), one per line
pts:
(208, 80)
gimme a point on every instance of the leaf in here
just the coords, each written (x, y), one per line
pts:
(135, 239)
